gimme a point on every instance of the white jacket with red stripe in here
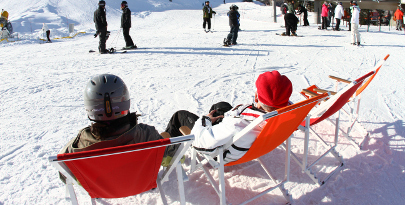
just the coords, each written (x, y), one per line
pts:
(208, 138)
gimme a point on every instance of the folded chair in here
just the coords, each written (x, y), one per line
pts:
(280, 125)
(121, 171)
(324, 111)
(354, 106)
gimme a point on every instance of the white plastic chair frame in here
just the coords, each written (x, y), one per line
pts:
(184, 141)
(353, 111)
(220, 189)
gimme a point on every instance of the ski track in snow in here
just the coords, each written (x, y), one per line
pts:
(180, 67)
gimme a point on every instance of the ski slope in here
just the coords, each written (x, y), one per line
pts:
(179, 66)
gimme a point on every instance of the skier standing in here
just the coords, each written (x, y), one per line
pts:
(126, 25)
(100, 21)
(355, 23)
(207, 15)
(324, 15)
(399, 15)
(338, 15)
(302, 9)
(233, 15)
(290, 20)
(47, 31)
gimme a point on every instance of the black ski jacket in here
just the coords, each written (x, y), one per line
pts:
(126, 18)
(233, 18)
(100, 19)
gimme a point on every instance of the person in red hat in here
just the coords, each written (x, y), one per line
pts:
(273, 92)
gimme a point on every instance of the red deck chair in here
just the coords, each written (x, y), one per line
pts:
(322, 112)
(280, 126)
(121, 171)
(354, 106)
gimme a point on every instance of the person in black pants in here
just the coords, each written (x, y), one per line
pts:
(290, 24)
(302, 9)
(100, 21)
(234, 24)
(126, 25)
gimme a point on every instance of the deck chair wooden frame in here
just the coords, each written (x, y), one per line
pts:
(280, 126)
(324, 111)
(354, 107)
(75, 165)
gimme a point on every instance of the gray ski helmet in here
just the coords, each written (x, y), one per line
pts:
(106, 97)
(101, 3)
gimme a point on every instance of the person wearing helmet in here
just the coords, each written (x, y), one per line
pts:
(126, 25)
(100, 21)
(107, 104)
(207, 15)
(273, 91)
(233, 15)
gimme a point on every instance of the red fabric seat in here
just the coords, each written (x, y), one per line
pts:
(117, 172)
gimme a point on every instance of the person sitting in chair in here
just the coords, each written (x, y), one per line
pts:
(273, 92)
(107, 103)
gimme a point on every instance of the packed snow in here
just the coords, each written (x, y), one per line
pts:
(180, 67)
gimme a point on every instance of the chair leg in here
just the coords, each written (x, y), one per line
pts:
(72, 194)
(221, 174)
(179, 172)
(162, 193)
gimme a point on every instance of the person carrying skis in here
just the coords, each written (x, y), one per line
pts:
(126, 25)
(339, 12)
(233, 15)
(355, 23)
(100, 21)
(207, 15)
(399, 15)
(273, 91)
(302, 9)
(107, 104)
(46, 30)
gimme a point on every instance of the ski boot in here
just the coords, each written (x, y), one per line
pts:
(227, 42)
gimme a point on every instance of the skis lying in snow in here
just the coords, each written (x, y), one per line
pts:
(109, 51)
(289, 35)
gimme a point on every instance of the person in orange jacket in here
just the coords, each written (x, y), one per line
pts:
(399, 15)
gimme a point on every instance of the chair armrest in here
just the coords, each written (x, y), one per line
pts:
(340, 79)
(165, 135)
(185, 130)
(306, 91)
(324, 91)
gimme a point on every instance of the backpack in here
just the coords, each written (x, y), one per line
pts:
(283, 9)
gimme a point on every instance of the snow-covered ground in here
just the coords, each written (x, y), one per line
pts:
(178, 66)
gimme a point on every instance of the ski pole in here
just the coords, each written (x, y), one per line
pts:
(213, 26)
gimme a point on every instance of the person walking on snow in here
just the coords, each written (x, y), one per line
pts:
(207, 15)
(100, 21)
(355, 24)
(399, 15)
(324, 15)
(233, 15)
(273, 91)
(126, 25)
(46, 30)
(339, 12)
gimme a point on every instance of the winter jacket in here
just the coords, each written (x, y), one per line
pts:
(355, 14)
(233, 18)
(290, 8)
(85, 140)
(126, 18)
(100, 19)
(208, 138)
(398, 14)
(339, 12)
(45, 27)
(303, 10)
(207, 12)
(324, 10)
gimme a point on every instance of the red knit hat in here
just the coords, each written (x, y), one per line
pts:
(273, 89)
